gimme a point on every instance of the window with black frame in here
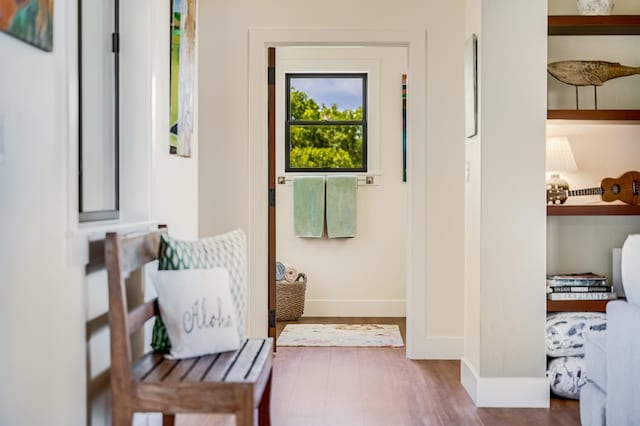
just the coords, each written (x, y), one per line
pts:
(326, 122)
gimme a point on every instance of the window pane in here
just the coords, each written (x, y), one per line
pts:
(326, 147)
(326, 98)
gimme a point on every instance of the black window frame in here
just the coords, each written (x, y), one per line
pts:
(289, 122)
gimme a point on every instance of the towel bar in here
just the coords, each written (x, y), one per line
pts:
(368, 180)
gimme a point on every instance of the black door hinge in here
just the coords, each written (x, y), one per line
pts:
(271, 75)
(115, 42)
(272, 197)
(272, 318)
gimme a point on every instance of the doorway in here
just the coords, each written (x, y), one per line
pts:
(364, 276)
(415, 42)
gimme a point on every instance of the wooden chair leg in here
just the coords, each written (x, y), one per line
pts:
(168, 419)
(264, 411)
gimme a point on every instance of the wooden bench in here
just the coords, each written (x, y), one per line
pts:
(231, 382)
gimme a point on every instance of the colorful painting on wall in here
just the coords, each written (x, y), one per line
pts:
(404, 127)
(28, 20)
(183, 57)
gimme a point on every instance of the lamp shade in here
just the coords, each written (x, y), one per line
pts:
(559, 155)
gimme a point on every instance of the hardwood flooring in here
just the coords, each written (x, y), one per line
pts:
(379, 387)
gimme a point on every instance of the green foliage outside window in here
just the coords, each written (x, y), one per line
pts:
(328, 146)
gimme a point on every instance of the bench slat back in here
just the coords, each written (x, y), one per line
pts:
(138, 250)
(124, 255)
(140, 315)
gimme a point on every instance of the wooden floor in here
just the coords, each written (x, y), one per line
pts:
(379, 386)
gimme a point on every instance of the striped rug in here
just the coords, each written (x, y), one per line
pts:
(344, 335)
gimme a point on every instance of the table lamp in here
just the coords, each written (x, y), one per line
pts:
(559, 159)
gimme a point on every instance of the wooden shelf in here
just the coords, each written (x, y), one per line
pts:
(594, 25)
(593, 210)
(594, 114)
(567, 25)
(577, 305)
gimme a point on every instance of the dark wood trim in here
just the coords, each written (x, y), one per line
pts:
(577, 305)
(594, 25)
(96, 257)
(594, 210)
(272, 191)
(591, 114)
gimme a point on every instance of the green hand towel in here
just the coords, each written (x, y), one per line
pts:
(342, 212)
(308, 206)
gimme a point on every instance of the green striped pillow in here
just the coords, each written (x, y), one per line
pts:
(225, 251)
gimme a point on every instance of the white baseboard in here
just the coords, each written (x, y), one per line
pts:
(527, 392)
(355, 308)
(436, 348)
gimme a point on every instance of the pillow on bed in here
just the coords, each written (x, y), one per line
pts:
(566, 376)
(196, 307)
(566, 331)
(226, 251)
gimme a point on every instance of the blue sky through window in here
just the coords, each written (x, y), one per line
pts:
(344, 92)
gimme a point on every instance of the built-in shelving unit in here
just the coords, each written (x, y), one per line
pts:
(590, 26)
(613, 25)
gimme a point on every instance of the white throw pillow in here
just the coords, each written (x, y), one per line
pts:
(567, 376)
(630, 268)
(198, 311)
(566, 332)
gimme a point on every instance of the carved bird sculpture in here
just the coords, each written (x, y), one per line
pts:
(589, 73)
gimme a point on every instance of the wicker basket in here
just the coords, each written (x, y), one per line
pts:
(290, 298)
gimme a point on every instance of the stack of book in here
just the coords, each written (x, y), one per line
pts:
(584, 286)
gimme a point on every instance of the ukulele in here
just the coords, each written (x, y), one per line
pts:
(626, 188)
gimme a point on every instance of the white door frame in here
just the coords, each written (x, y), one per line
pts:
(415, 41)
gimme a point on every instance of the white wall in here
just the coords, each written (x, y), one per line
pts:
(41, 294)
(504, 361)
(175, 178)
(473, 202)
(365, 275)
(225, 169)
(156, 186)
(45, 300)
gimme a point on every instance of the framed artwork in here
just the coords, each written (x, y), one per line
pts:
(404, 127)
(183, 54)
(28, 20)
(471, 86)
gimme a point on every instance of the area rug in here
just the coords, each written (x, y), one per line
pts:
(352, 335)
